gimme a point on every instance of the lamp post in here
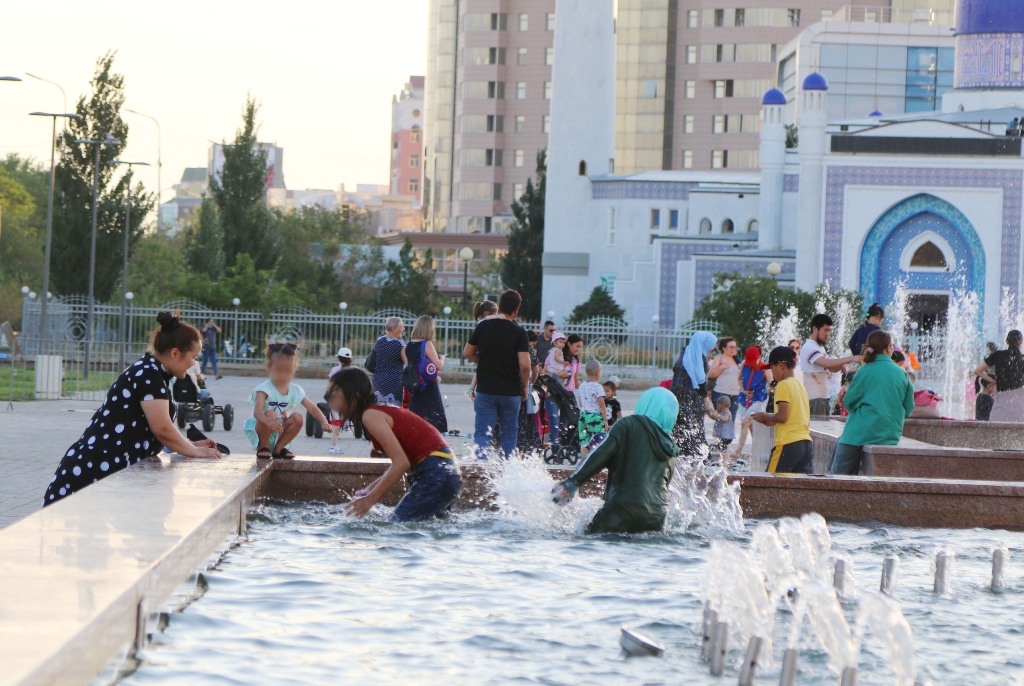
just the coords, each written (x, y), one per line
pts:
(49, 221)
(159, 161)
(124, 264)
(466, 254)
(654, 341)
(110, 141)
(235, 302)
(9, 78)
(130, 297)
(341, 334)
(447, 318)
(774, 269)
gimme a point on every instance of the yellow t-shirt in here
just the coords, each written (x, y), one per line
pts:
(798, 426)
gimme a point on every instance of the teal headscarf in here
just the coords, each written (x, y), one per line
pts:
(696, 354)
(660, 406)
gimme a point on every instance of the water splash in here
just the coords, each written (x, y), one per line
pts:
(881, 617)
(702, 497)
(735, 587)
(897, 314)
(845, 322)
(960, 353)
(778, 332)
(818, 605)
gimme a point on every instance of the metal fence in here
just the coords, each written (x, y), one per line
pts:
(630, 352)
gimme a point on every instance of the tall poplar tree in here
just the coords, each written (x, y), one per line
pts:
(521, 266)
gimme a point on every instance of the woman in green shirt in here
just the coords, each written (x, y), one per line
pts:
(880, 397)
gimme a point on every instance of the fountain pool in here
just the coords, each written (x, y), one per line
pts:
(314, 597)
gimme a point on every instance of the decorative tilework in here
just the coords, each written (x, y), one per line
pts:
(673, 252)
(640, 190)
(706, 269)
(838, 178)
(880, 258)
(989, 60)
(791, 183)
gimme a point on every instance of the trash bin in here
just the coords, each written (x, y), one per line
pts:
(48, 375)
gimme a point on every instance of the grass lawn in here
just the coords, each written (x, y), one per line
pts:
(25, 382)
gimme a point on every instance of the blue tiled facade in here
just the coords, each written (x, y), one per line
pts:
(674, 252)
(640, 190)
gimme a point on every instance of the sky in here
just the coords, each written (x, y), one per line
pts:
(325, 72)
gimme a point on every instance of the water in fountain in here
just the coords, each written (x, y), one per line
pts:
(849, 580)
(818, 605)
(897, 313)
(734, 587)
(844, 322)
(881, 617)
(778, 332)
(960, 354)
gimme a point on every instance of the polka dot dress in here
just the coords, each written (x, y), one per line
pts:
(118, 435)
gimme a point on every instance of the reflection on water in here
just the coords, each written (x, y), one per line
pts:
(314, 597)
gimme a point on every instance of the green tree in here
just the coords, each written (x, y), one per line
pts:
(599, 304)
(738, 303)
(204, 242)
(239, 192)
(521, 266)
(409, 282)
(362, 269)
(72, 212)
(158, 272)
(21, 256)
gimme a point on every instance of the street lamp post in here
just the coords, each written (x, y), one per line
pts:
(235, 302)
(341, 333)
(159, 161)
(124, 265)
(9, 78)
(130, 297)
(111, 141)
(466, 254)
(49, 223)
(447, 321)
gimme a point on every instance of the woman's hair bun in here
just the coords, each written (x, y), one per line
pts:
(167, 321)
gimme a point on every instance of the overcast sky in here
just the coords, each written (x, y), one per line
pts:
(324, 70)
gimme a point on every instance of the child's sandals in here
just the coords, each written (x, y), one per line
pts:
(284, 454)
(263, 453)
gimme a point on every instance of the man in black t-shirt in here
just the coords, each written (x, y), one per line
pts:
(501, 351)
(1008, 404)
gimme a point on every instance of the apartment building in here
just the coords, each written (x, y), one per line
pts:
(407, 140)
(487, 104)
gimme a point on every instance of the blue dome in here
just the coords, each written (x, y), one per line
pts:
(774, 97)
(815, 82)
(989, 16)
(876, 114)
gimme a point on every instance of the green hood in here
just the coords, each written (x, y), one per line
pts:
(659, 405)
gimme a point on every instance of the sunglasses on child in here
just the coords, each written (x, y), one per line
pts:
(279, 347)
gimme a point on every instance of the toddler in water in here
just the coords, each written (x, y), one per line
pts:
(275, 420)
(344, 362)
(593, 424)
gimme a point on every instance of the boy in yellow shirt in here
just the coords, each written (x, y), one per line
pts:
(793, 452)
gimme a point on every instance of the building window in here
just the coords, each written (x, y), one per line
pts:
(483, 56)
(744, 159)
(476, 191)
(718, 124)
(691, 54)
(551, 21)
(655, 219)
(724, 89)
(691, 90)
(495, 90)
(752, 226)
(651, 88)
(493, 158)
(826, 15)
(547, 90)
(521, 57)
(719, 159)
(794, 18)
(582, 169)
(688, 124)
(727, 226)
(414, 160)
(687, 159)
(545, 124)
(414, 185)
(517, 190)
(521, 90)
(520, 123)
(486, 22)
(524, 22)
(741, 17)
(496, 191)
(495, 123)
(549, 56)
(720, 17)
(520, 157)
(929, 256)
(705, 225)
(691, 19)
(673, 219)
(611, 226)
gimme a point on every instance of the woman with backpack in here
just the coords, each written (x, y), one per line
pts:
(420, 376)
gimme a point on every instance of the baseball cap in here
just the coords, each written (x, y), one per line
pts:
(344, 352)
(782, 354)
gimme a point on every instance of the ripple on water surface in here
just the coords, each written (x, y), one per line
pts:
(313, 597)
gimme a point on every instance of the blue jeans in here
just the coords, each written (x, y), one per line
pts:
(846, 459)
(501, 411)
(434, 484)
(552, 409)
(209, 354)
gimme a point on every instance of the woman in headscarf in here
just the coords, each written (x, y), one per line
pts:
(689, 385)
(638, 454)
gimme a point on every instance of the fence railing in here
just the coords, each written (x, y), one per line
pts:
(629, 352)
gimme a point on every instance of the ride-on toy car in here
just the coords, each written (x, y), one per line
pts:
(196, 404)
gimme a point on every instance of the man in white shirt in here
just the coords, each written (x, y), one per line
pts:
(816, 365)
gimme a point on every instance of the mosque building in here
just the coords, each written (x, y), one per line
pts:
(930, 199)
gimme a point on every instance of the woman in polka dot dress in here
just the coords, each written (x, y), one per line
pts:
(135, 420)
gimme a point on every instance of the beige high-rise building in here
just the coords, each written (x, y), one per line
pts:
(690, 74)
(488, 93)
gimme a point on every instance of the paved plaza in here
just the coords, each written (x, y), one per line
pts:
(36, 434)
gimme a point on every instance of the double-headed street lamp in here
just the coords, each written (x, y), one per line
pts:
(9, 78)
(49, 223)
(124, 266)
(112, 142)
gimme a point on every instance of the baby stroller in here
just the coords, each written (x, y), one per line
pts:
(194, 404)
(567, 450)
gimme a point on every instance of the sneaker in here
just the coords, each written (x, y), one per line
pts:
(335, 450)
(219, 377)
